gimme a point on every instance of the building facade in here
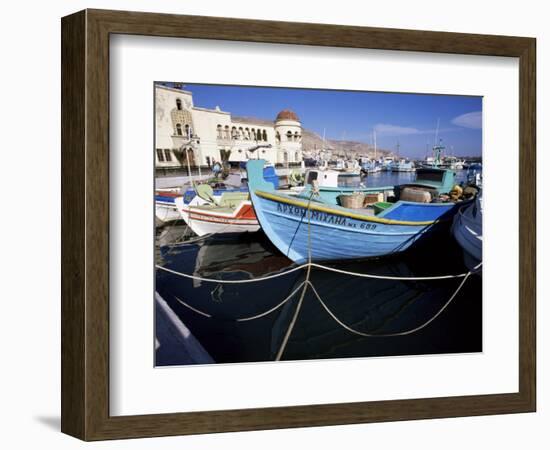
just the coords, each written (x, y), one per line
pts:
(188, 134)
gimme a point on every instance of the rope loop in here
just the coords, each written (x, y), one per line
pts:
(304, 285)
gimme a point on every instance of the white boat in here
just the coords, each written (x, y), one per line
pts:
(370, 166)
(322, 177)
(165, 206)
(232, 212)
(403, 165)
(468, 231)
(474, 175)
(349, 168)
(452, 162)
(387, 163)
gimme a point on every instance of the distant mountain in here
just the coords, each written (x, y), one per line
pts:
(312, 141)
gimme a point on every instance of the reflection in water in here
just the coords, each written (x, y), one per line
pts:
(373, 306)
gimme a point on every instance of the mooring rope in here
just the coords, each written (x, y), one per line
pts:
(400, 333)
(215, 280)
(244, 319)
(307, 283)
(392, 277)
(319, 266)
(181, 243)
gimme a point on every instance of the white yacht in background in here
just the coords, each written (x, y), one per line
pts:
(403, 165)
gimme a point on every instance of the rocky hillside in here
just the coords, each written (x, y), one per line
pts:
(312, 141)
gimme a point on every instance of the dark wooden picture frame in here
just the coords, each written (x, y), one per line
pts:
(85, 224)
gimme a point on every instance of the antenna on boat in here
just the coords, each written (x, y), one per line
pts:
(342, 146)
(437, 149)
(374, 136)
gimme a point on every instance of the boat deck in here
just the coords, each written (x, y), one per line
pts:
(366, 211)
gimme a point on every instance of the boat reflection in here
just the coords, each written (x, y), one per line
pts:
(369, 305)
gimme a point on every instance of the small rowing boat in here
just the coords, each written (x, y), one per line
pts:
(166, 209)
(231, 212)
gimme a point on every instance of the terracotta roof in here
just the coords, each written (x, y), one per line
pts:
(287, 114)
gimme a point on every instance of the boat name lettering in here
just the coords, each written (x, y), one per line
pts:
(315, 215)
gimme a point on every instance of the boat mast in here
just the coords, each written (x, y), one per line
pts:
(323, 148)
(374, 134)
(437, 148)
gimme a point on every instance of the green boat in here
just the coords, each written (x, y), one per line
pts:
(433, 178)
(436, 180)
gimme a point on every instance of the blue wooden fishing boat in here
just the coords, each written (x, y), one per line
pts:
(298, 226)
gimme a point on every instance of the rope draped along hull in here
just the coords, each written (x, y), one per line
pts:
(297, 226)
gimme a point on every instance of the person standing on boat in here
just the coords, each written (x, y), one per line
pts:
(216, 168)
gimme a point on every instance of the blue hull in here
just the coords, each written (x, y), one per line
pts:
(336, 234)
(298, 226)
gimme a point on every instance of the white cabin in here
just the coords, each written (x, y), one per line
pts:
(325, 178)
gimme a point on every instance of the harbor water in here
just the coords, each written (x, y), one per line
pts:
(209, 309)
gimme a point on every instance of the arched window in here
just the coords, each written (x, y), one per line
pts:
(160, 155)
(226, 132)
(246, 133)
(259, 135)
(264, 135)
(240, 133)
(296, 136)
(233, 133)
(278, 137)
(289, 135)
(252, 133)
(178, 104)
(178, 129)
(190, 156)
(220, 132)
(187, 131)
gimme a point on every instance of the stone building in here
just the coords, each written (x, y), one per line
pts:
(185, 132)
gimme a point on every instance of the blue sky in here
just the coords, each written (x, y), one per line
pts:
(410, 119)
